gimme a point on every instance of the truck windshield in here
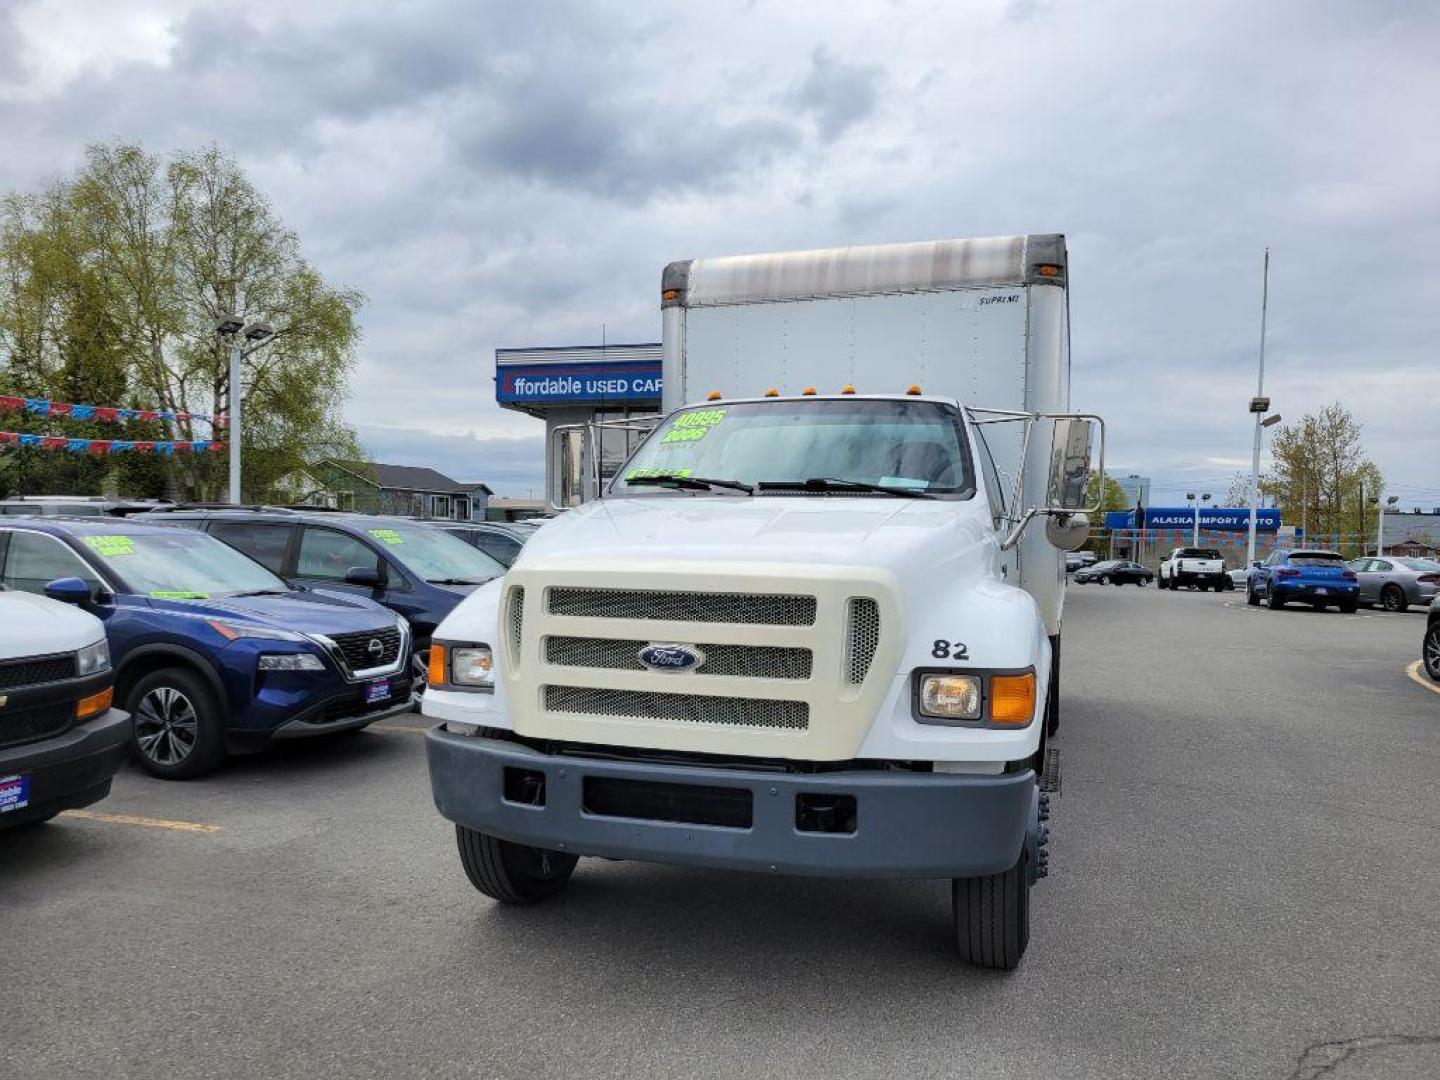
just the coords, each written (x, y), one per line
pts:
(905, 446)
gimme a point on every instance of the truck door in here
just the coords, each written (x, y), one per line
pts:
(995, 493)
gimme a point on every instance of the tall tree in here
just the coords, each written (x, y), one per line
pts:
(110, 284)
(1322, 478)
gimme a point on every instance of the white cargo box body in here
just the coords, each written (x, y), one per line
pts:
(981, 321)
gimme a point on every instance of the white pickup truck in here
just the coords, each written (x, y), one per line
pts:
(1197, 568)
(812, 625)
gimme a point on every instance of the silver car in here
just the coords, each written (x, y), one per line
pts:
(1396, 582)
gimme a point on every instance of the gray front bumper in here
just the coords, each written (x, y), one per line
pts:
(908, 824)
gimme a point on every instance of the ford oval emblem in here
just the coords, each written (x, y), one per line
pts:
(670, 657)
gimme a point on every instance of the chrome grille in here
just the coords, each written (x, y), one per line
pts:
(359, 656)
(862, 638)
(685, 708)
(745, 661)
(515, 621)
(763, 609)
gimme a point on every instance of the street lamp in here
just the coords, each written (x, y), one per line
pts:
(231, 328)
(1259, 405)
(1380, 526)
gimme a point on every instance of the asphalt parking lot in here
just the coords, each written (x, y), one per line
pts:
(1244, 884)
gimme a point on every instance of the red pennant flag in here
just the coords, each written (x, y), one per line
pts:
(11, 404)
(99, 446)
(144, 447)
(9, 437)
(54, 442)
(182, 416)
(107, 413)
(216, 421)
(181, 447)
(217, 447)
(148, 414)
(60, 408)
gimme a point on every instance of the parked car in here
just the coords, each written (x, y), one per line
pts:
(213, 653)
(76, 506)
(501, 540)
(61, 738)
(1115, 572)
(1197, 568)
(1318, 578)
(415, 569)
(1078, 560)
(1396, 582)
(1430, 643)
(1237, 577)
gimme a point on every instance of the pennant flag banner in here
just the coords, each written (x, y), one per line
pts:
(109, 446)
(107, 413)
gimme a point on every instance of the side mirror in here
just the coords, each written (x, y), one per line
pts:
(364, 575)
(1256, 564)
(68, 590)
(1069, 465)
(1068, 532)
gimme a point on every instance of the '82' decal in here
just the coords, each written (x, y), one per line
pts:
(942, 649)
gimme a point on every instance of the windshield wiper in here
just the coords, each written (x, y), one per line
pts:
(830, 483)
(454, 581)
(263, 592)
(694, 483)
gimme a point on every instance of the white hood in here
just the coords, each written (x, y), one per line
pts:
(35, 625)
(907, 536)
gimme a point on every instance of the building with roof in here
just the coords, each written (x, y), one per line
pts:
(406, 490)
(1416, 533)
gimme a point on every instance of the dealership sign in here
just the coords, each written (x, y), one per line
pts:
(1214, 518)
(539, 384)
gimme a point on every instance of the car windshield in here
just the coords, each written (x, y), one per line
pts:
(181, 565)
(1315, 558)
(435, 554)
(1419, 564)
(908, 446)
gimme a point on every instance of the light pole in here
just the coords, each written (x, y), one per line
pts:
(1259, 404)
(1380, 527)
(1205, 498)
(234, 331)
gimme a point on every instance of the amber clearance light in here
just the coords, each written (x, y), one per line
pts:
(1012, 699)
(435, 672)
(94, 704)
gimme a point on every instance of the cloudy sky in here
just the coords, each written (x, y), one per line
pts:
(496, 173)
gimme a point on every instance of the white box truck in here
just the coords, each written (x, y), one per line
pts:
(812, 625)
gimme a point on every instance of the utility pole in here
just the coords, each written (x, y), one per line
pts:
(1258, 404)
(231, 329)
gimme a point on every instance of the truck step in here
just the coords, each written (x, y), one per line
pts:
(1050, 775)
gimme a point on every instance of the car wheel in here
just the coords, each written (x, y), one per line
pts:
(1273, 598)
(1349, 607)
(992, 916)
(1251, 596)
(178, 731)
(1430, 651)
(1392, 598)
(1104, 579)
(509, 872)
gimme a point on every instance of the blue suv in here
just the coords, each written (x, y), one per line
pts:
(213, 654)
(1317, 578)
(415, 569)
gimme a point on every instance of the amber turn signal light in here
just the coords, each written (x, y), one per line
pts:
(1012, 699)
(435, 666)
(94, 704)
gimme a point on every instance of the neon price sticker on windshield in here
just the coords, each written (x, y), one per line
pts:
(110, 546)
(387, 536)
(693, 426)
(179, 594)
(656, 470)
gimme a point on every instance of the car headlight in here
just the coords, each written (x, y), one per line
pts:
(462, 667)
(951, 696)
(93, 659)
(300, 661)
(233, 631)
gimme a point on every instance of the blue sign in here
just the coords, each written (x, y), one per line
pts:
(615, 380)
(1214, 518)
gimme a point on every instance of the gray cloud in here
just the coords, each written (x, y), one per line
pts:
(838, 94)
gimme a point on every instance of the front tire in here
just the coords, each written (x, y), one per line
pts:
(992, 917)
(1430, 651)
(1273, 598)
(1251, 596)
(1392, 598)
(509, 872)
(179, 730)
(1104, 579)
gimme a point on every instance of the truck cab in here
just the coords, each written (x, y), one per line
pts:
(797, 633)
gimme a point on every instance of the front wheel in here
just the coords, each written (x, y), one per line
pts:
(1251, 596)
(178, 731)
(1430, 651)
(992, 917)
(1104, 579)
(509, 872)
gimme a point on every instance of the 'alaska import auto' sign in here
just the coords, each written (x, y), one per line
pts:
(1215, 518)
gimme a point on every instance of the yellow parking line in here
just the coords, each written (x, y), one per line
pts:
(1414, 672)
(143, 822)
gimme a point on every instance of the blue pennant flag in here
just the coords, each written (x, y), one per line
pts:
(83, 412)
(119, 447)
(78, 446)
(31, 440)
(38, 405)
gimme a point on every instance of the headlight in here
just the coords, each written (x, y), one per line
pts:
(950, 697)
(471, 665)
(300, 661)
(93, 658)
(233, 631)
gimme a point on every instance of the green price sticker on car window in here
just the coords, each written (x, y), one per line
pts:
(110, 546)
(692, 426)
(655, 470)
(387, 536)
(179, 594)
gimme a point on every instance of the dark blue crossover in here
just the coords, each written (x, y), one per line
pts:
(415, 568)
(213, 654)
(1318, 578)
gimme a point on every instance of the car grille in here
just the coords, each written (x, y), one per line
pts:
(36, 670)
(685, 708)
(742, 661)
(762, 609)
(357, 651)
(26, 725)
